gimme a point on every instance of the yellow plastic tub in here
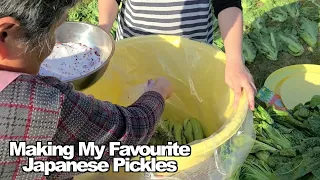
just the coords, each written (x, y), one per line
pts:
(197, 73)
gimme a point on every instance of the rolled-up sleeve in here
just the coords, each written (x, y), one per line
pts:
(86, 119)
(220, 5)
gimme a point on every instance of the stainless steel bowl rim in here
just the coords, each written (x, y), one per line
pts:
(102, 65)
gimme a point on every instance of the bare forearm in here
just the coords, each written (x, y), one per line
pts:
(108, 10)
(231, 27)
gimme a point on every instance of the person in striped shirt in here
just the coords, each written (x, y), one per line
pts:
(187, 18)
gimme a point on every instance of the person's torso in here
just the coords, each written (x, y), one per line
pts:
(188, 18)
(29, 112)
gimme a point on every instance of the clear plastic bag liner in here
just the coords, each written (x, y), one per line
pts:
(226, 159)
(196, 71)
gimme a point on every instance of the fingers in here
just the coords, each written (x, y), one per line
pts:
(251, 90)
(249, 87)
(252, 84)
(254, 88)
(250, 93)
(237, 95)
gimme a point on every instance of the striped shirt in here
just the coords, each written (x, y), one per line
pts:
(188, 18)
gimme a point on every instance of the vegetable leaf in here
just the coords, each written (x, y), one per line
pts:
(266, 43)
(309, 31)
(290, 41)
(249, 50)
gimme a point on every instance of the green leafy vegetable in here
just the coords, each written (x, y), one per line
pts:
(292, 9)
(302, 113)
(290, 41)
(255, 169)
(315, 101)
(260, 146)
(276, 136)
(284, 118)
(283, 129)
(259, 23)
(249, 50)
(300, 166)
(287, 148)
(309, 31)
(315, 3)
(278, 14)
(311, 12)
(266, 43)
(236, 175)
(264, 115)
(263, 155)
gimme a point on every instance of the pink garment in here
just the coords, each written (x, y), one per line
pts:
(6, 77)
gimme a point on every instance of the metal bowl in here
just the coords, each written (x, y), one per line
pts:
(92, 36)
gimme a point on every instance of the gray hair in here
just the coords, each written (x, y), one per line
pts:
(36, 17)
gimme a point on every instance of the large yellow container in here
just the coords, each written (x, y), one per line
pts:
(197, 72)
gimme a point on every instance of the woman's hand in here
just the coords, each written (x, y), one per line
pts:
(238, 77)
(162, 86)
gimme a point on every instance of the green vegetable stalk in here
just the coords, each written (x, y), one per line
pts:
(249, 50)
(263, 155)
(259, 23)
(311, 12)
(283, 117)
(276, 136)
(302, 113)
(283, 129)
(266, 43)
(236, 175)
(292, 9)
(255, 169)
(278, 14)
(309, 31)
(300, 166)
(290, 41)
(316, 3)
(315, 101)
(268, 141)
(260, 146)
(264, 115)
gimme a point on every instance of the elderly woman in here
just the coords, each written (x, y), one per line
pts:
(35, 108)
(188, 18)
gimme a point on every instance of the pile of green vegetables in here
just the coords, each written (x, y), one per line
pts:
(173, 131)
(273, 26)
(287, 145)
